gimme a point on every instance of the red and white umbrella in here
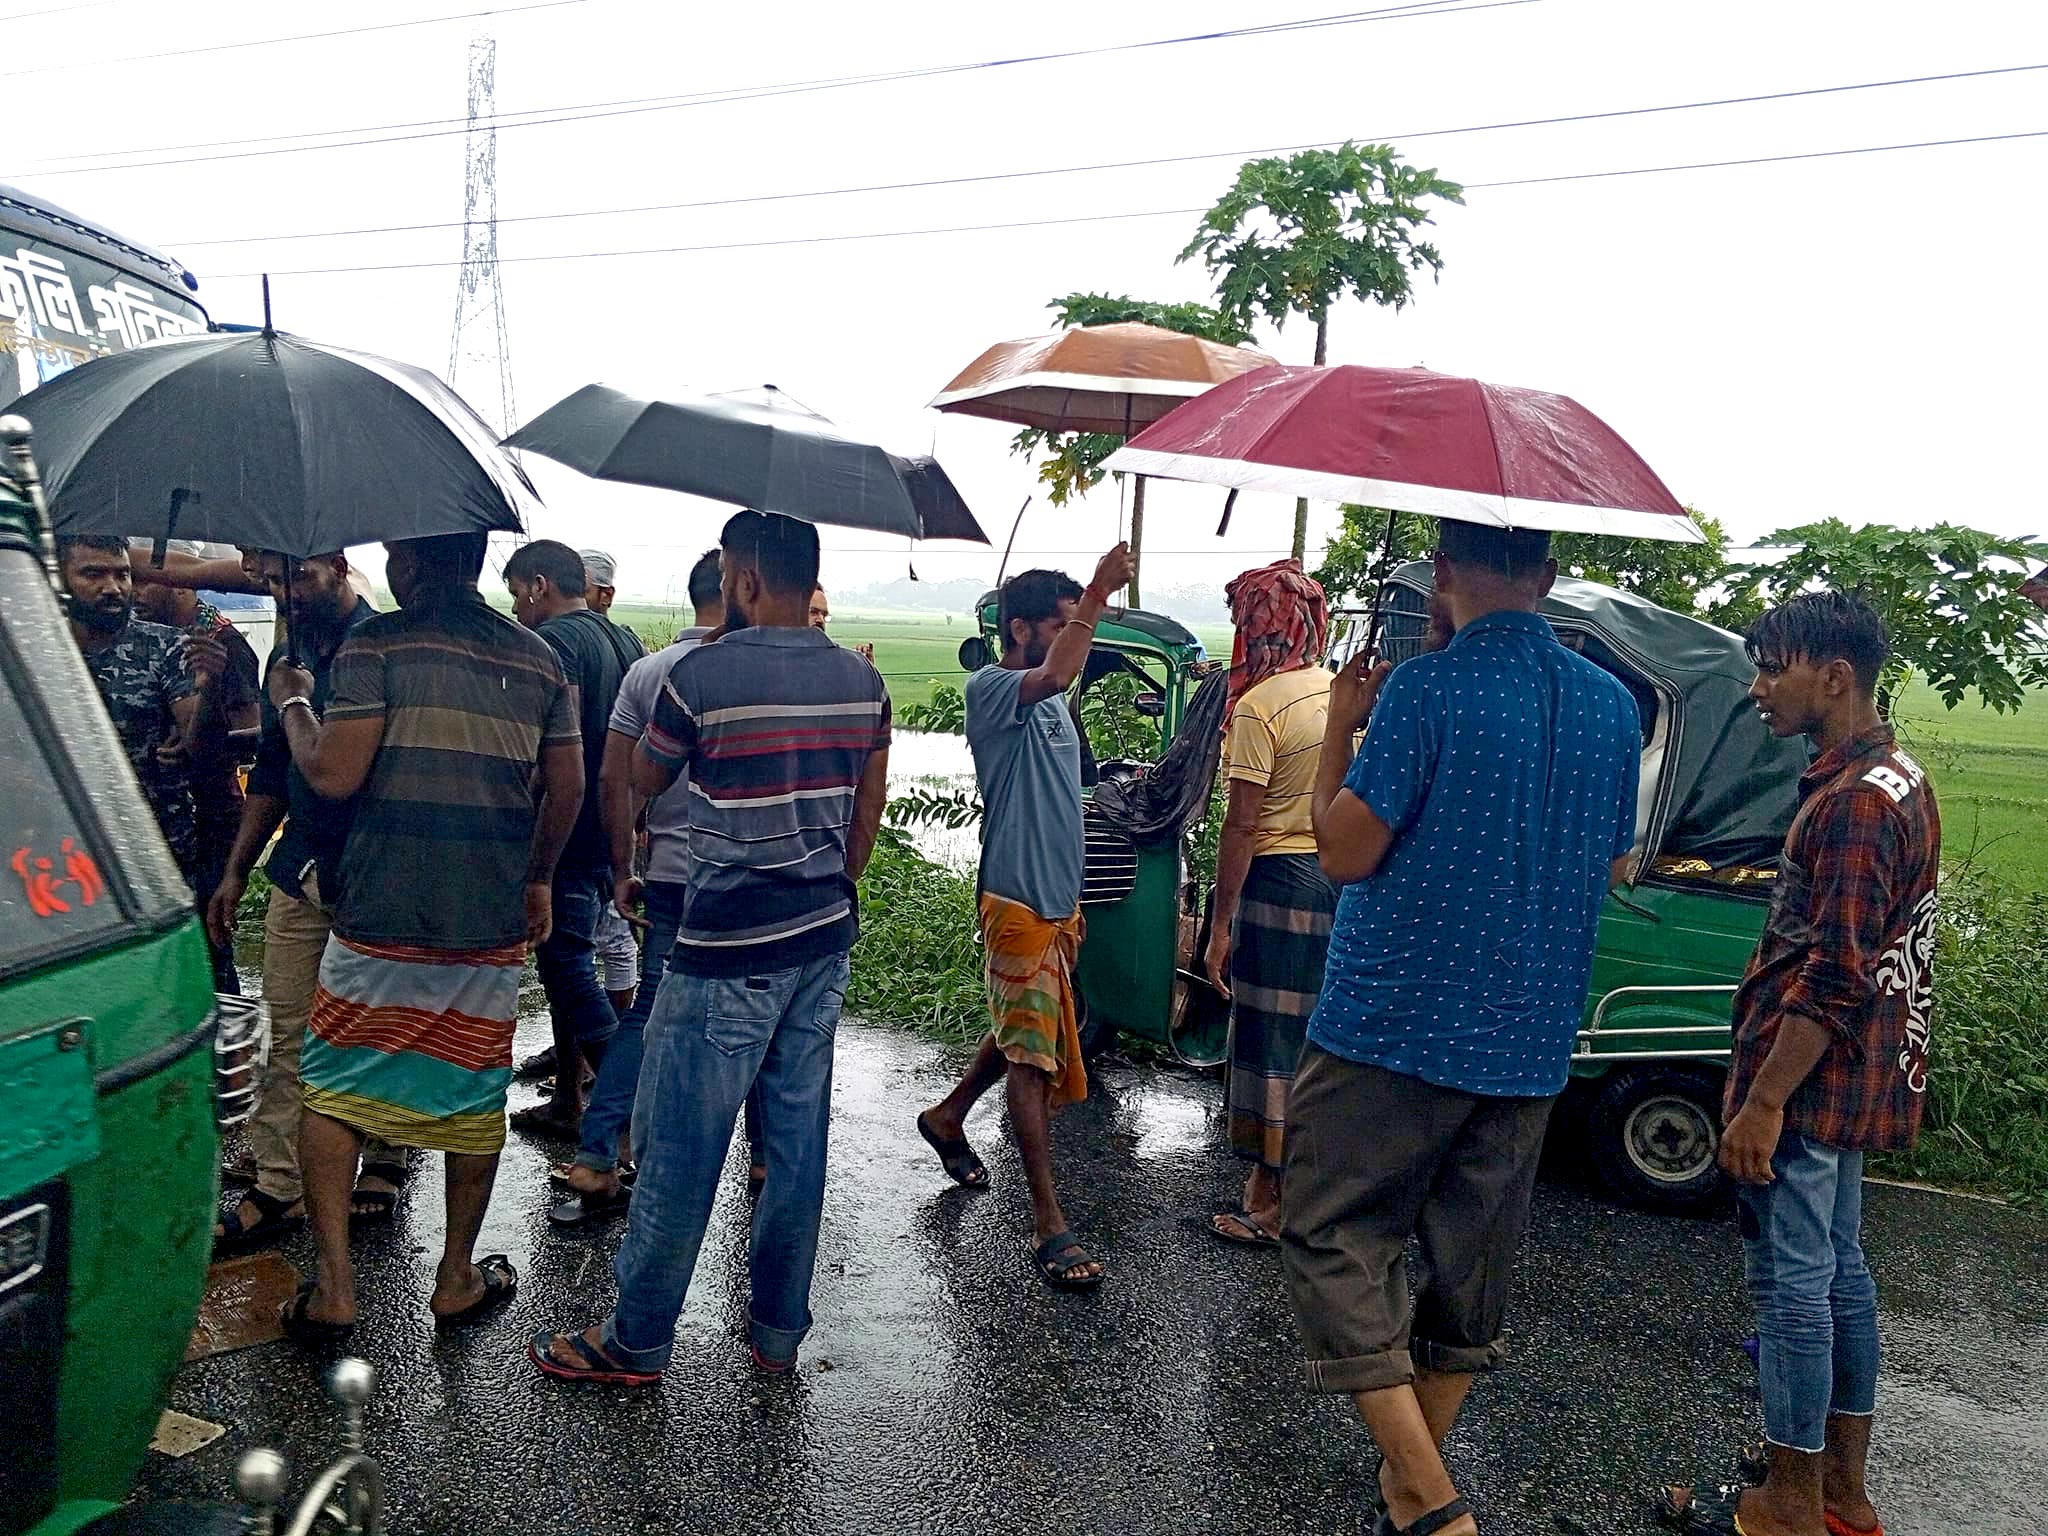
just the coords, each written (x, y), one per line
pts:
(1414, 441)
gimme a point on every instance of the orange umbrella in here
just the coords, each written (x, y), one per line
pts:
(1115, 379)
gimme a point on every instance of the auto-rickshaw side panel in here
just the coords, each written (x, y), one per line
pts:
(1127, 956)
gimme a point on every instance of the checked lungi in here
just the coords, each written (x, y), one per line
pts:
(414, 1045)
(1277, 949)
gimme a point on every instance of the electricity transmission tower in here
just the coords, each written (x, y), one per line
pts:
(479, 351)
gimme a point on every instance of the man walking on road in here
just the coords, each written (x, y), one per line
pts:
(786, 740)
(547, 585)
(1830, 1061)
(592, 1179)
(296, 923)
(444, 882)
(1474, 837)
(1027, 757)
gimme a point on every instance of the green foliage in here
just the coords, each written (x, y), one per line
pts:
(1115, 728)
(1293, 236)
(945, 713)
(1682, 577)
(1987, 1095)
(923, 806)
(918, 964)
(1950, 597)
(1079, 309)
(1073, 460)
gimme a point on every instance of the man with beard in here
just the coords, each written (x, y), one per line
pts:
(212, 772)
(297, 921)
(1027, 757)
(157, 696)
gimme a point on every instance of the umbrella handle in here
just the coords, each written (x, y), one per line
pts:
(1015, 523)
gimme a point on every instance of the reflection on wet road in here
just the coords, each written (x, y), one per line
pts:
(945, 1390)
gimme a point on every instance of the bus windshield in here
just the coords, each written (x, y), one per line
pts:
(71, 291)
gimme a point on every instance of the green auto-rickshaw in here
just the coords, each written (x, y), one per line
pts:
(1717, 796)
(119, 1068)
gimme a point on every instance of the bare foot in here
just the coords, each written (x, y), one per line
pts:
(590, 1181)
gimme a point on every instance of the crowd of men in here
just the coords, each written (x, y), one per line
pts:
(1411, 869)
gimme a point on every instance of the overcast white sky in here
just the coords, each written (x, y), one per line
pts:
(1860, 336)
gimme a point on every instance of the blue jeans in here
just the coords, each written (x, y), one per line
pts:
(709, 1040)
(1816, 1304)
(610, 1109)
(567, 961)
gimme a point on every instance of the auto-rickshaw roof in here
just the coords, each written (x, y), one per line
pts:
(1734, 785)
(1134, 627)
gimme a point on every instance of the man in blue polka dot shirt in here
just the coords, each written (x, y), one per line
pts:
(1475, 834)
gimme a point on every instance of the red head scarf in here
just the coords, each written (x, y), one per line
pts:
(1283, 623)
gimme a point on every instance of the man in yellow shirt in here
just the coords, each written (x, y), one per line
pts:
(1270, 924)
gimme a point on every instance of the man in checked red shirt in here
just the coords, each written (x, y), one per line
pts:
(1830, 1060)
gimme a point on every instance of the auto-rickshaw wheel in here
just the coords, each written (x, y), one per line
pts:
(1655, 1135)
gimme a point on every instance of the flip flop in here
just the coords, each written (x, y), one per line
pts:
(1054, 1266)
(598, 1365)
(379, 1203)
(1258, 1236)
(501, 1284)
(558, 1173)
(1422, 1525)
(310, 1332)
(1837, 1526)
(540, 1064)
(581, 1207)
(955, 1156)
(273, 1222)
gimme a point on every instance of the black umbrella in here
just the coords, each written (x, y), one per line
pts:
(268, 441)
(752, 448)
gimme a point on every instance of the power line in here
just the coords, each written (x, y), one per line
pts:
(270, 42)
(61, 10)
(1104, 218)
(1408, 10)
(1115, 165)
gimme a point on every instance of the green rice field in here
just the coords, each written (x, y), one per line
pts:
(1990, 770)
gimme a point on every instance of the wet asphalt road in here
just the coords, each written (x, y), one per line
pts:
(945, 1390)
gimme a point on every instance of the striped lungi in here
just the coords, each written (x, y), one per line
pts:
(1030, 977)
(1277, 947)
(414, 1046)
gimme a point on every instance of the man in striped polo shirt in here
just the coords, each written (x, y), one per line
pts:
(453, 729)
(785, 737)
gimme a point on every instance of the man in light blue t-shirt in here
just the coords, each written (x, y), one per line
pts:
(1027, 757)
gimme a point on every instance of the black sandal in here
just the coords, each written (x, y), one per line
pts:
(310, 1332)
(1253, 1235)
(1423, 1525)
(579, 1207)
(274, 1221)
(547, 1121)
(955, 1156)
(1058, 1271)
(1697, 1511)
(501, 1284)
(378, 1203)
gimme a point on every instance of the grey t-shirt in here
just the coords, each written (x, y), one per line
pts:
(668, 818)
(1028, 761)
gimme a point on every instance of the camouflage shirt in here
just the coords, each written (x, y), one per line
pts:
(140, 676)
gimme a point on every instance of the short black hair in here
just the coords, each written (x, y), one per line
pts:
(704, 580)
(562, 566)
(1821, 627)
(452, 558)
(105, 544)
(783, 550)
(1032, 596)
(1514, 554)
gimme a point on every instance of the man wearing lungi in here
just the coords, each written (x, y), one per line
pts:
(453, 728)
(1027, 758)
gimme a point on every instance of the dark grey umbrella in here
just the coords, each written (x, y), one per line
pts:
(269, 441)
(752, 448)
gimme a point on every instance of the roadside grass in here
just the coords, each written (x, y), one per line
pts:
(918, 963)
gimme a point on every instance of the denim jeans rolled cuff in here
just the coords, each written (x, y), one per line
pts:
(1457, 1359)
(653, 1358)
(776, 1344)
(1361, 1373)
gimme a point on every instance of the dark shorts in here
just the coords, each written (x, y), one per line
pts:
(1373, 1158)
